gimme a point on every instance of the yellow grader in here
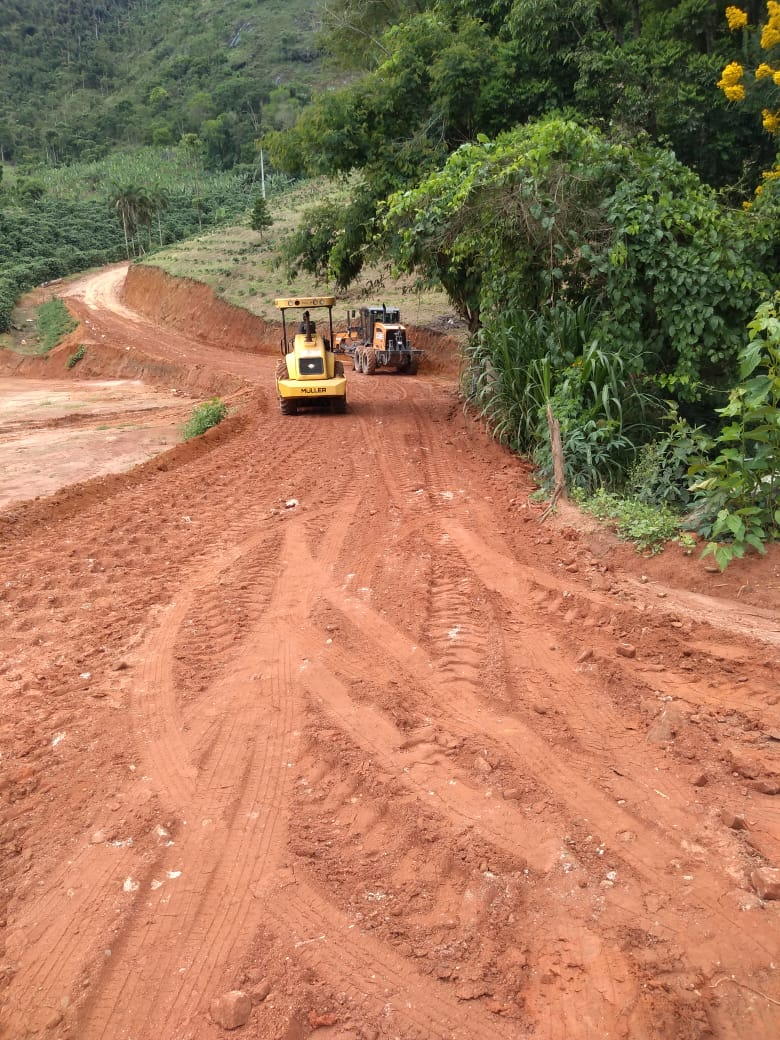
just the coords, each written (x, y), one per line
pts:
(375, 338)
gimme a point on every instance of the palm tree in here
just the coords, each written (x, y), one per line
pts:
(160, 202)
(122, 201)
(193, 149)
(144, 211)
(134, 207)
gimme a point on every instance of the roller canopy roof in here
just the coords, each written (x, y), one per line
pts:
(305, 301)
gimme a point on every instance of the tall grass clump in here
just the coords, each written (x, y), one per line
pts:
(521, 362)
(204, 416)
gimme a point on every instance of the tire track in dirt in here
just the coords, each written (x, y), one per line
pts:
(61, 964)
(595, 804)
(454, 797)
(228, 831)
(376, 980)
(216, 786)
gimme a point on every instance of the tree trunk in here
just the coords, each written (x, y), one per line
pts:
(559, 472)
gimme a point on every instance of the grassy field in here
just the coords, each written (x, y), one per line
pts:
(242, 266)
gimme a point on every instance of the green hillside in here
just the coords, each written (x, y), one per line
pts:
(79, 77)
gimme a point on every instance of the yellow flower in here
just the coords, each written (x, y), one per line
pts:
(731, 75)
(736, 18)
(771, 175)
(770, 36)
(770, 121)
(764, 70)
(730, 82)
(773, 7)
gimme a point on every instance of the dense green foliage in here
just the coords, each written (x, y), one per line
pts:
(742, 482)
(604, 279)
(54, 322)
(203, 417)
(441, 74)
(48, 239)
(556, 213)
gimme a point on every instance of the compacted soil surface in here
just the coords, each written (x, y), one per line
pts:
(56, 432)
(314, 726)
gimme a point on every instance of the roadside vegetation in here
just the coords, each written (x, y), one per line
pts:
(93, 213)
(78, 355)
(54, 323)
(204, 416)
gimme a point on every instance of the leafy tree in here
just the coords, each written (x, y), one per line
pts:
(222, 140)
(451, 71)
(555, 211)
(352, 30)
(159, 98)
(260, 218)
(28, 189)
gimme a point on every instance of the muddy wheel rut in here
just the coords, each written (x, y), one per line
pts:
(316, 710)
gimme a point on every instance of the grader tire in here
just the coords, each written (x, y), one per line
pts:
(356, 362)
(338, 369)
(369, 362)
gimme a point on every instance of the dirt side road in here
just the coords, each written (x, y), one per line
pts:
(316, 710)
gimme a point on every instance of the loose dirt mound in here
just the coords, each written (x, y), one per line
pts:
(311, 727)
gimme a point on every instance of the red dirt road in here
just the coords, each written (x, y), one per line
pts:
(316, 710)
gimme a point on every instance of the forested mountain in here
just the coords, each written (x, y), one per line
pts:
(128, 124)
(78, 77)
